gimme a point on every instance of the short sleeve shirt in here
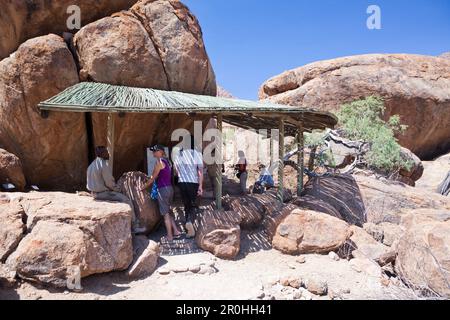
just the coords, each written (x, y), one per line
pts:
(188, 163)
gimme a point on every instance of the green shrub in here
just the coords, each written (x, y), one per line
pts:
(362, 120)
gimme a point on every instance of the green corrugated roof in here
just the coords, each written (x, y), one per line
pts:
(100, 97)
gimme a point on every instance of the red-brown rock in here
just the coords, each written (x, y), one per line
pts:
(53, 151)
(21, 20)
(163, 49)
(305, 231)
(413, 86)
(11, 170)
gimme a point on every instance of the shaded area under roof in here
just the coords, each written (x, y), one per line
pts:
(100, 97)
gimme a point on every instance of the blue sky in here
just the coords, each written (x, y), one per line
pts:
(250, 41)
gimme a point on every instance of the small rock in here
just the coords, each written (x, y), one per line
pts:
(346, 291)
(194, 269)
(306, 295)
(295, 283)
(261, 295)
(297, 295)
(180, 269)
(385, 281)
(317, 286)
(333, 256)
(146, 263)
(163, 271)
(285, 282)
(301, 259)
(66, 292)
(206, 270)
(291, 266)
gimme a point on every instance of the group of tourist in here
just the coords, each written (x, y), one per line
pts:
(186, 172)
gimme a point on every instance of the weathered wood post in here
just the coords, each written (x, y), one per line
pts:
(281, 160)
(219, 156)
(300, 159)
(110, 139)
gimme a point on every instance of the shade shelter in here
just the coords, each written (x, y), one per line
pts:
(289, 120)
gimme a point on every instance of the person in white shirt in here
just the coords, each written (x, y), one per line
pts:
(189, 169)
(102, 185)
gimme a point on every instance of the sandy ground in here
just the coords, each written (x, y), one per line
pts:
(253, 274)
(254, 271)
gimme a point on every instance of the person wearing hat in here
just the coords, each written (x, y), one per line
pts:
(162, 176)
(102, 185)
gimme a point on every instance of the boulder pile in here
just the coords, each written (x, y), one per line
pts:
(164, 49)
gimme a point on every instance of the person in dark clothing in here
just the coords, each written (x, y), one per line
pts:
(189, 168)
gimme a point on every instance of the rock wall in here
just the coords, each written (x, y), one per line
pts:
(21, 20)
(156, 44)
(53, 151)
(413, 86)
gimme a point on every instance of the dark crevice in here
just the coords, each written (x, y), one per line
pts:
(90, 137)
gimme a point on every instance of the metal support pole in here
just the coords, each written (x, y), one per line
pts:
(281, 161)
(300, 160)
(219, 156)
(110, 140)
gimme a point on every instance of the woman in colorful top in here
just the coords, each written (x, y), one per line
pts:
(162, 176)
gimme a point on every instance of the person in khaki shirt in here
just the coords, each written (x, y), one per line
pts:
(102, 185)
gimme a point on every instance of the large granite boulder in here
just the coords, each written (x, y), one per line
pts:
(387, 201)
(11, 170)
(250, 209)
(21, 20)
(53, 150)
(435, 172)
(365, 246)
(156, 44)
(305, 231)
(424, 254)
(413, 86)
(336, 195)
(69, 237)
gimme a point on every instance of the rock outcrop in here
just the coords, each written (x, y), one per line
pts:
(12, 228)
(305, 231)
(336, 195)
(387, 201)
(53, 150)
(415, 87)
(69, 237)
(164, 49)
(155, 44)
(366, 246)
(11, 170)
(434, 173)
(423, 254)
(21, 20)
